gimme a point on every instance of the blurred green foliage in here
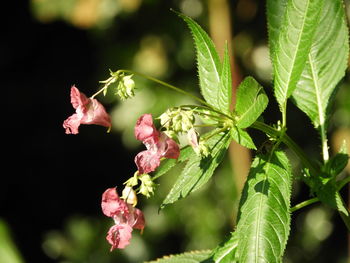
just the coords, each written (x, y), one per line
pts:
(8, 250)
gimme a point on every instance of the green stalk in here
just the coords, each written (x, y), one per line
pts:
(166, 85)
(288, 142)
(303, 204)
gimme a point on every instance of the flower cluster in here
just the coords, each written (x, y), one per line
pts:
(88, 111)
(122, 209)
(125, 85)
(158, 145)
(178, 120)
(126, 218)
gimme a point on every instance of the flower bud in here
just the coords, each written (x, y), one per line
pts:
(177, 120)
(126, 87)
(147, 185)
(129, 195)
(132, 181)
(199, 147)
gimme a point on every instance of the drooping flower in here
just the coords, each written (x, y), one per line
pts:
(158, 145)
(88, 111)
(125, 216)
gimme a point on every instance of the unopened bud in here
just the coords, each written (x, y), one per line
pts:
(199, 147)
(126, 87)
(129, 195)
(147, 185)
(177, 120)
(132, 181)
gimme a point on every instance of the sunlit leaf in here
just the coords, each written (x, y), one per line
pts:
(199, 170)
(242, 137)
(188, 257)
(251, 102)
(225, 91)
(208, 63)
(264, 217)
(326, 64)
(290, 51)
(274, 11)
(226, 252)
(167, 164)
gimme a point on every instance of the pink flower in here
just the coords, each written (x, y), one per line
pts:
(88, 111)
(158, 145)
(125, 216)
(119, 236)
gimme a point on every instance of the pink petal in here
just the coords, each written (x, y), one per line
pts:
(172, 149)
(95, 113)
(139, 219)
(112, 205)
(145, 129)
(119, 236)
(77, 98)
(192, 138)
(72, 124)
(147, 161)
(88, 111)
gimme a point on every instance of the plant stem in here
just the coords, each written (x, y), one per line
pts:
(99, 91)
(303, 204)
(284, 115)
(343, 182)
(324, 141)
(166, 85)
(287, 141)
(209, 108)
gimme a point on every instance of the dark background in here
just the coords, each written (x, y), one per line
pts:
(48, 175)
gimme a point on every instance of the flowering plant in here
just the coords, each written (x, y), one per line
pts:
(308, 62)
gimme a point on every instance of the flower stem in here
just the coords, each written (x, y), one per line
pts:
(166, 85)
(303, 204)
(210, 108)
(99, 91)
(324, 142)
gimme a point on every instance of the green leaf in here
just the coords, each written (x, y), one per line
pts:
(336, 164)
(327, 193)
(251, 102)
(326, 64)
(264, 217)
(274, 12)
(209, 65)
(226, 252)
(188, 257)
(199, 170)
(242, 137)
(225, 91)
(289, 52)
(167, 164)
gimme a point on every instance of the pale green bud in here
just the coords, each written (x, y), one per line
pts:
(147, 186)
(203, 149)
(126, 87)
(177, 120)
(132, 181)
